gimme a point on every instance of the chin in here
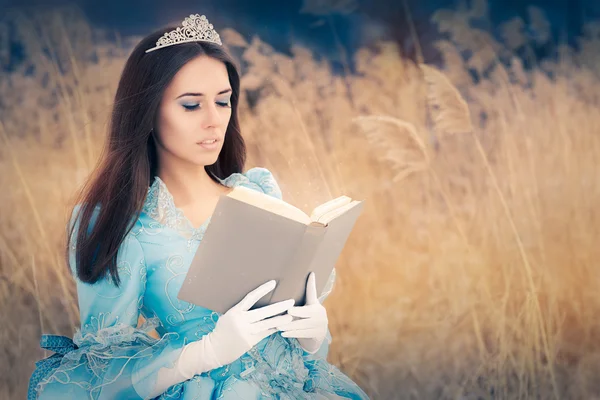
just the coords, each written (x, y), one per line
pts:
(204, 161)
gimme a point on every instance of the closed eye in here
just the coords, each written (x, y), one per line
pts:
(190, 107)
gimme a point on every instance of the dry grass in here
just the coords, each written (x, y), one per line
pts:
(473, 271)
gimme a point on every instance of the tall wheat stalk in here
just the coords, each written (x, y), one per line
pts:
(451, 115)
(36, 216)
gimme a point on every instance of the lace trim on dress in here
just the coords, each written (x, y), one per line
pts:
(160, 206)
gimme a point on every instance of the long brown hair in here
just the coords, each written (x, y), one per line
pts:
(115, 193)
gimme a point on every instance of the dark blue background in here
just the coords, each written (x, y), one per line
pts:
(280, 24)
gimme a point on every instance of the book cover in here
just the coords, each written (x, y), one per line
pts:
(245, 246)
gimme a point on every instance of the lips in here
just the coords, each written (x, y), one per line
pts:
(208, 141)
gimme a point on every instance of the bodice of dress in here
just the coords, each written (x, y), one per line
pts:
(169, 241)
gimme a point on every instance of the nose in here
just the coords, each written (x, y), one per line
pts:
(212, 117)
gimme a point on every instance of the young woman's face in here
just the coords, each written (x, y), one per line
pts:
(195, 108)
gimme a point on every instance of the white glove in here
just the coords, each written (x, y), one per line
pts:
(236, 332)
(311, 328)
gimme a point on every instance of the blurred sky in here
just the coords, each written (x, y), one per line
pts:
(280, 23)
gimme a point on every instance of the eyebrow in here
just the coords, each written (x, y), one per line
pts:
(202, 94)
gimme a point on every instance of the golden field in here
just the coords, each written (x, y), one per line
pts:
(473, 271)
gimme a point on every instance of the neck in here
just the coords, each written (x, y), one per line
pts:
(188, 185)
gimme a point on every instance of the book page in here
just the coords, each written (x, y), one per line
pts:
(269, 203)
(333, 214)
(324, 208)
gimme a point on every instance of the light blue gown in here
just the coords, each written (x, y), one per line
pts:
(110, 357)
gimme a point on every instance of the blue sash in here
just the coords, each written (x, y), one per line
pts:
(60, 345)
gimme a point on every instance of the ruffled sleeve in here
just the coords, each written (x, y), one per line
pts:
(111, 358)
(257, 178)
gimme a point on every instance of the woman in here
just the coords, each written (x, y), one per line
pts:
(174, 148)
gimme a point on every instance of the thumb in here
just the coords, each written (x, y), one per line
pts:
(311, 290)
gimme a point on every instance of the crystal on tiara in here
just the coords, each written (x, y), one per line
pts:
(194, 28)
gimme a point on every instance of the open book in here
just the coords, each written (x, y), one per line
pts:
(253, 237)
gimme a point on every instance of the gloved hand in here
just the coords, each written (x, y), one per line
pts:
(235, 333)
(311, 328)
(238, 330)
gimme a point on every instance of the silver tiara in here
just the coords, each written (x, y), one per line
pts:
(194, 28)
